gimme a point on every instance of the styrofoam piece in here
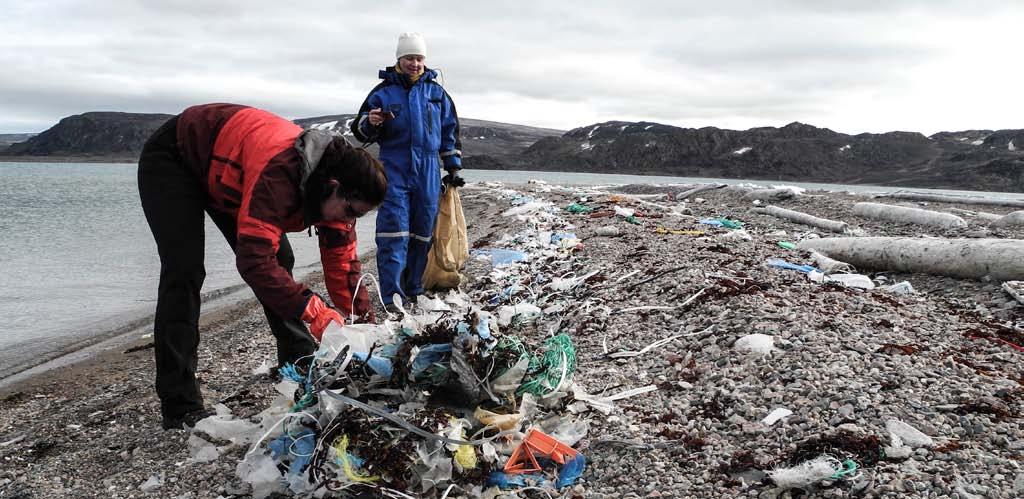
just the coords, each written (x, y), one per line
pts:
(757, 343)
(777, 414)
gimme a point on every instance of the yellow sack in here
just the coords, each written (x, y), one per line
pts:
(450, 248)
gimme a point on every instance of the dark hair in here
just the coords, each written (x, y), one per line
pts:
(359, 174)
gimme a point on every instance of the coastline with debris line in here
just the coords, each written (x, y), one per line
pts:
(704, 369)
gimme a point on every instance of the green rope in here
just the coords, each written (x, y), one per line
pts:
(849, 467)
(546, 372)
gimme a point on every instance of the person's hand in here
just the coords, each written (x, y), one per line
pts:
(319, 316)
(377, 117)
(453, 179)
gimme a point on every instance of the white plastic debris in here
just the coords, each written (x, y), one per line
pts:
(428, 304)
(202, 451)
(526, 311)
(608, 231)
(603, 404)
(904, 434)
(457, 299)
(776, 415)
(264, 368)
(528, 208)
(260, 471)
(806, 473)
(738, 234)
(224, 426)
(570, 430)
(757, 343)
(359, 338)
(859, 281)
(900, 288)
(512, 378)
(624, 212)
(154, 482)
(567, 283)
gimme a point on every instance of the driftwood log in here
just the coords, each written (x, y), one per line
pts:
(803, 218)
(944, 198)
(904, 214)
(1000, 259)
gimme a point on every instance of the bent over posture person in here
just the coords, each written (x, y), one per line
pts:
(414, 121)
(258, 176)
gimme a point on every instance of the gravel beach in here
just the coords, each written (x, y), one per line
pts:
(940, 366)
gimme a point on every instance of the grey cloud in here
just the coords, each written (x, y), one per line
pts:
(671, 61)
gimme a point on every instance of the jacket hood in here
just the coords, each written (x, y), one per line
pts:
(310, 145)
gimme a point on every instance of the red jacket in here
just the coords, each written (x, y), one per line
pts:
(254, 171)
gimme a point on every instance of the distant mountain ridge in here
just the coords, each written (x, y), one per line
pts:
(482, 141)
(973, 159)
(991, 160)
(6, 139)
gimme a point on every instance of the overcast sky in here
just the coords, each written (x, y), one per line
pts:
(853, 66)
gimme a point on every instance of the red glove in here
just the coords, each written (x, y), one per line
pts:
(319, 316)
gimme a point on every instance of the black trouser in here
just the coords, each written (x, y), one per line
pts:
(174, 201)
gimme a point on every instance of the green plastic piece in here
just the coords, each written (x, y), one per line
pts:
(786, 244)
(577, 208)
(730, 224)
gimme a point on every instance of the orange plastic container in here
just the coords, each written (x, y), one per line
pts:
(524, 458)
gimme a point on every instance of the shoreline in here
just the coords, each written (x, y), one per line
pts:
(640, 176)
(130, 328)
(844, 361)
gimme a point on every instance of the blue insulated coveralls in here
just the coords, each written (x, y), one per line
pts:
(423, 131)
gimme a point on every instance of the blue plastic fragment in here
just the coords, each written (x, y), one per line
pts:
(508, 481)
(298, 448)
(428, 356)
(380, 365)
(711, 221)
(571, 471)
(558, 236)
(782, 264)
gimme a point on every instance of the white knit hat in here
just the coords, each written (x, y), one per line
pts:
(410, 44)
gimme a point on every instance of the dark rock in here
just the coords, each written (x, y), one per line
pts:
(105, 134)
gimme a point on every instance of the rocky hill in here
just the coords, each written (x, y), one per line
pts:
(972, 159)
(107, 135)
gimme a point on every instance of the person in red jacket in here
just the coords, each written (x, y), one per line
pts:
(257, 176)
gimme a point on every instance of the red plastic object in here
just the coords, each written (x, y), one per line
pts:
(524, 458)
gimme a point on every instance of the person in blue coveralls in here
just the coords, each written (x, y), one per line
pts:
(413, 120)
